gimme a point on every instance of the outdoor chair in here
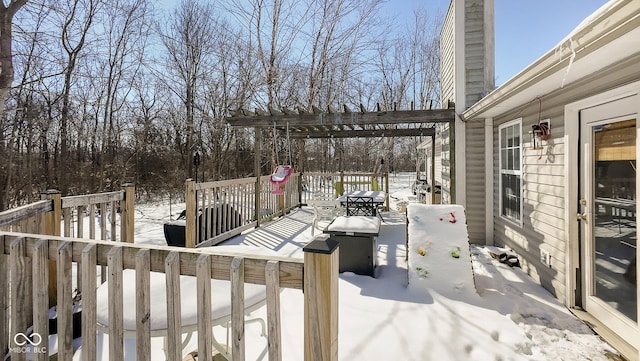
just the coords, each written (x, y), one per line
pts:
(324, 210)
(360, 206)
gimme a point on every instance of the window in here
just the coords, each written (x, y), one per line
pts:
(511, 170)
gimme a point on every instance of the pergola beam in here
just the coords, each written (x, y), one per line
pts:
(365, 133)
(328, 119)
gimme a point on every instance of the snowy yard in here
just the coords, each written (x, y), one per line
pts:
(469, 307)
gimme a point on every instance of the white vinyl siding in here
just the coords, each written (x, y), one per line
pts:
(478, 50)
(447, 57)
(475, 185)
(511, 171)
(543, 205)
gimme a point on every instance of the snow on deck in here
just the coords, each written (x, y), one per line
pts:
(441, 316)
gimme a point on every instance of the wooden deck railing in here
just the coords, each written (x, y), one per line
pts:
(339, 183)
(217, 211)
(27, 218)
(23, 268)
(79, 212)
(36, 266)
(70, 216)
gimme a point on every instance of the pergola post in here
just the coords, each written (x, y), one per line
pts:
(300, 167)
(433, 169)
(257, 171)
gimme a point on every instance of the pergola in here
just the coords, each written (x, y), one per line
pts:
(317, 124)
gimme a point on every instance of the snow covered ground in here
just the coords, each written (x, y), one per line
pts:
(470, 307)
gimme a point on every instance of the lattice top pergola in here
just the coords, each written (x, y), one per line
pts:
(347, 124)
(302, 124)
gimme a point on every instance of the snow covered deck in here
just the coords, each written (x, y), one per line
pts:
(443, 315)
(465, 307)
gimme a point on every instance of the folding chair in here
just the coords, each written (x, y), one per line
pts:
(360, 206)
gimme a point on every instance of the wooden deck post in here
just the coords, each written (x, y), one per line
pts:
(127, 213)
(64, 308)
(281, 206)
(386, 189)
(321, 257)
(191, 222)
(4, 297)
(301, 167)
(51, 226)
(18, 281)
(433, 169)
(257, 172)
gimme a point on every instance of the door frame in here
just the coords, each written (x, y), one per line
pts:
(572, 174)
(602, 115)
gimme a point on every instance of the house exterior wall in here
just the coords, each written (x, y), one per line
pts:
(479, 50)
(449, 60)
(599, 59)
(445, 163)
(467, 72)
(479, 81)
(447, 56)
(542, 196)
(437, 161)
(475, 185)
(544, 190)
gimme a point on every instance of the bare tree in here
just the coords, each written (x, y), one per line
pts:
(426, 58)
(87, 98)
(7, 13)
(187, 39)
(408, 65)
(340, 34)
(126, 32)
(77, 19)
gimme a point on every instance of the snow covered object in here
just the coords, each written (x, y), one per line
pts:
(438, 248)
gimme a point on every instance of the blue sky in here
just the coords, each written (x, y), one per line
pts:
(524, 29)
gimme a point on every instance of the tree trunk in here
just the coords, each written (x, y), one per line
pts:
(6, 73)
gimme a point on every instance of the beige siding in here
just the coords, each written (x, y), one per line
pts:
(478, 60)
(543, 220)
(478, 75)
(447, 56)
(437, 160)
(475, 182)
(446, 163)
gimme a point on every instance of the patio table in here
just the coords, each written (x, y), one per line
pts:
(379, 197)
(359, 200)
